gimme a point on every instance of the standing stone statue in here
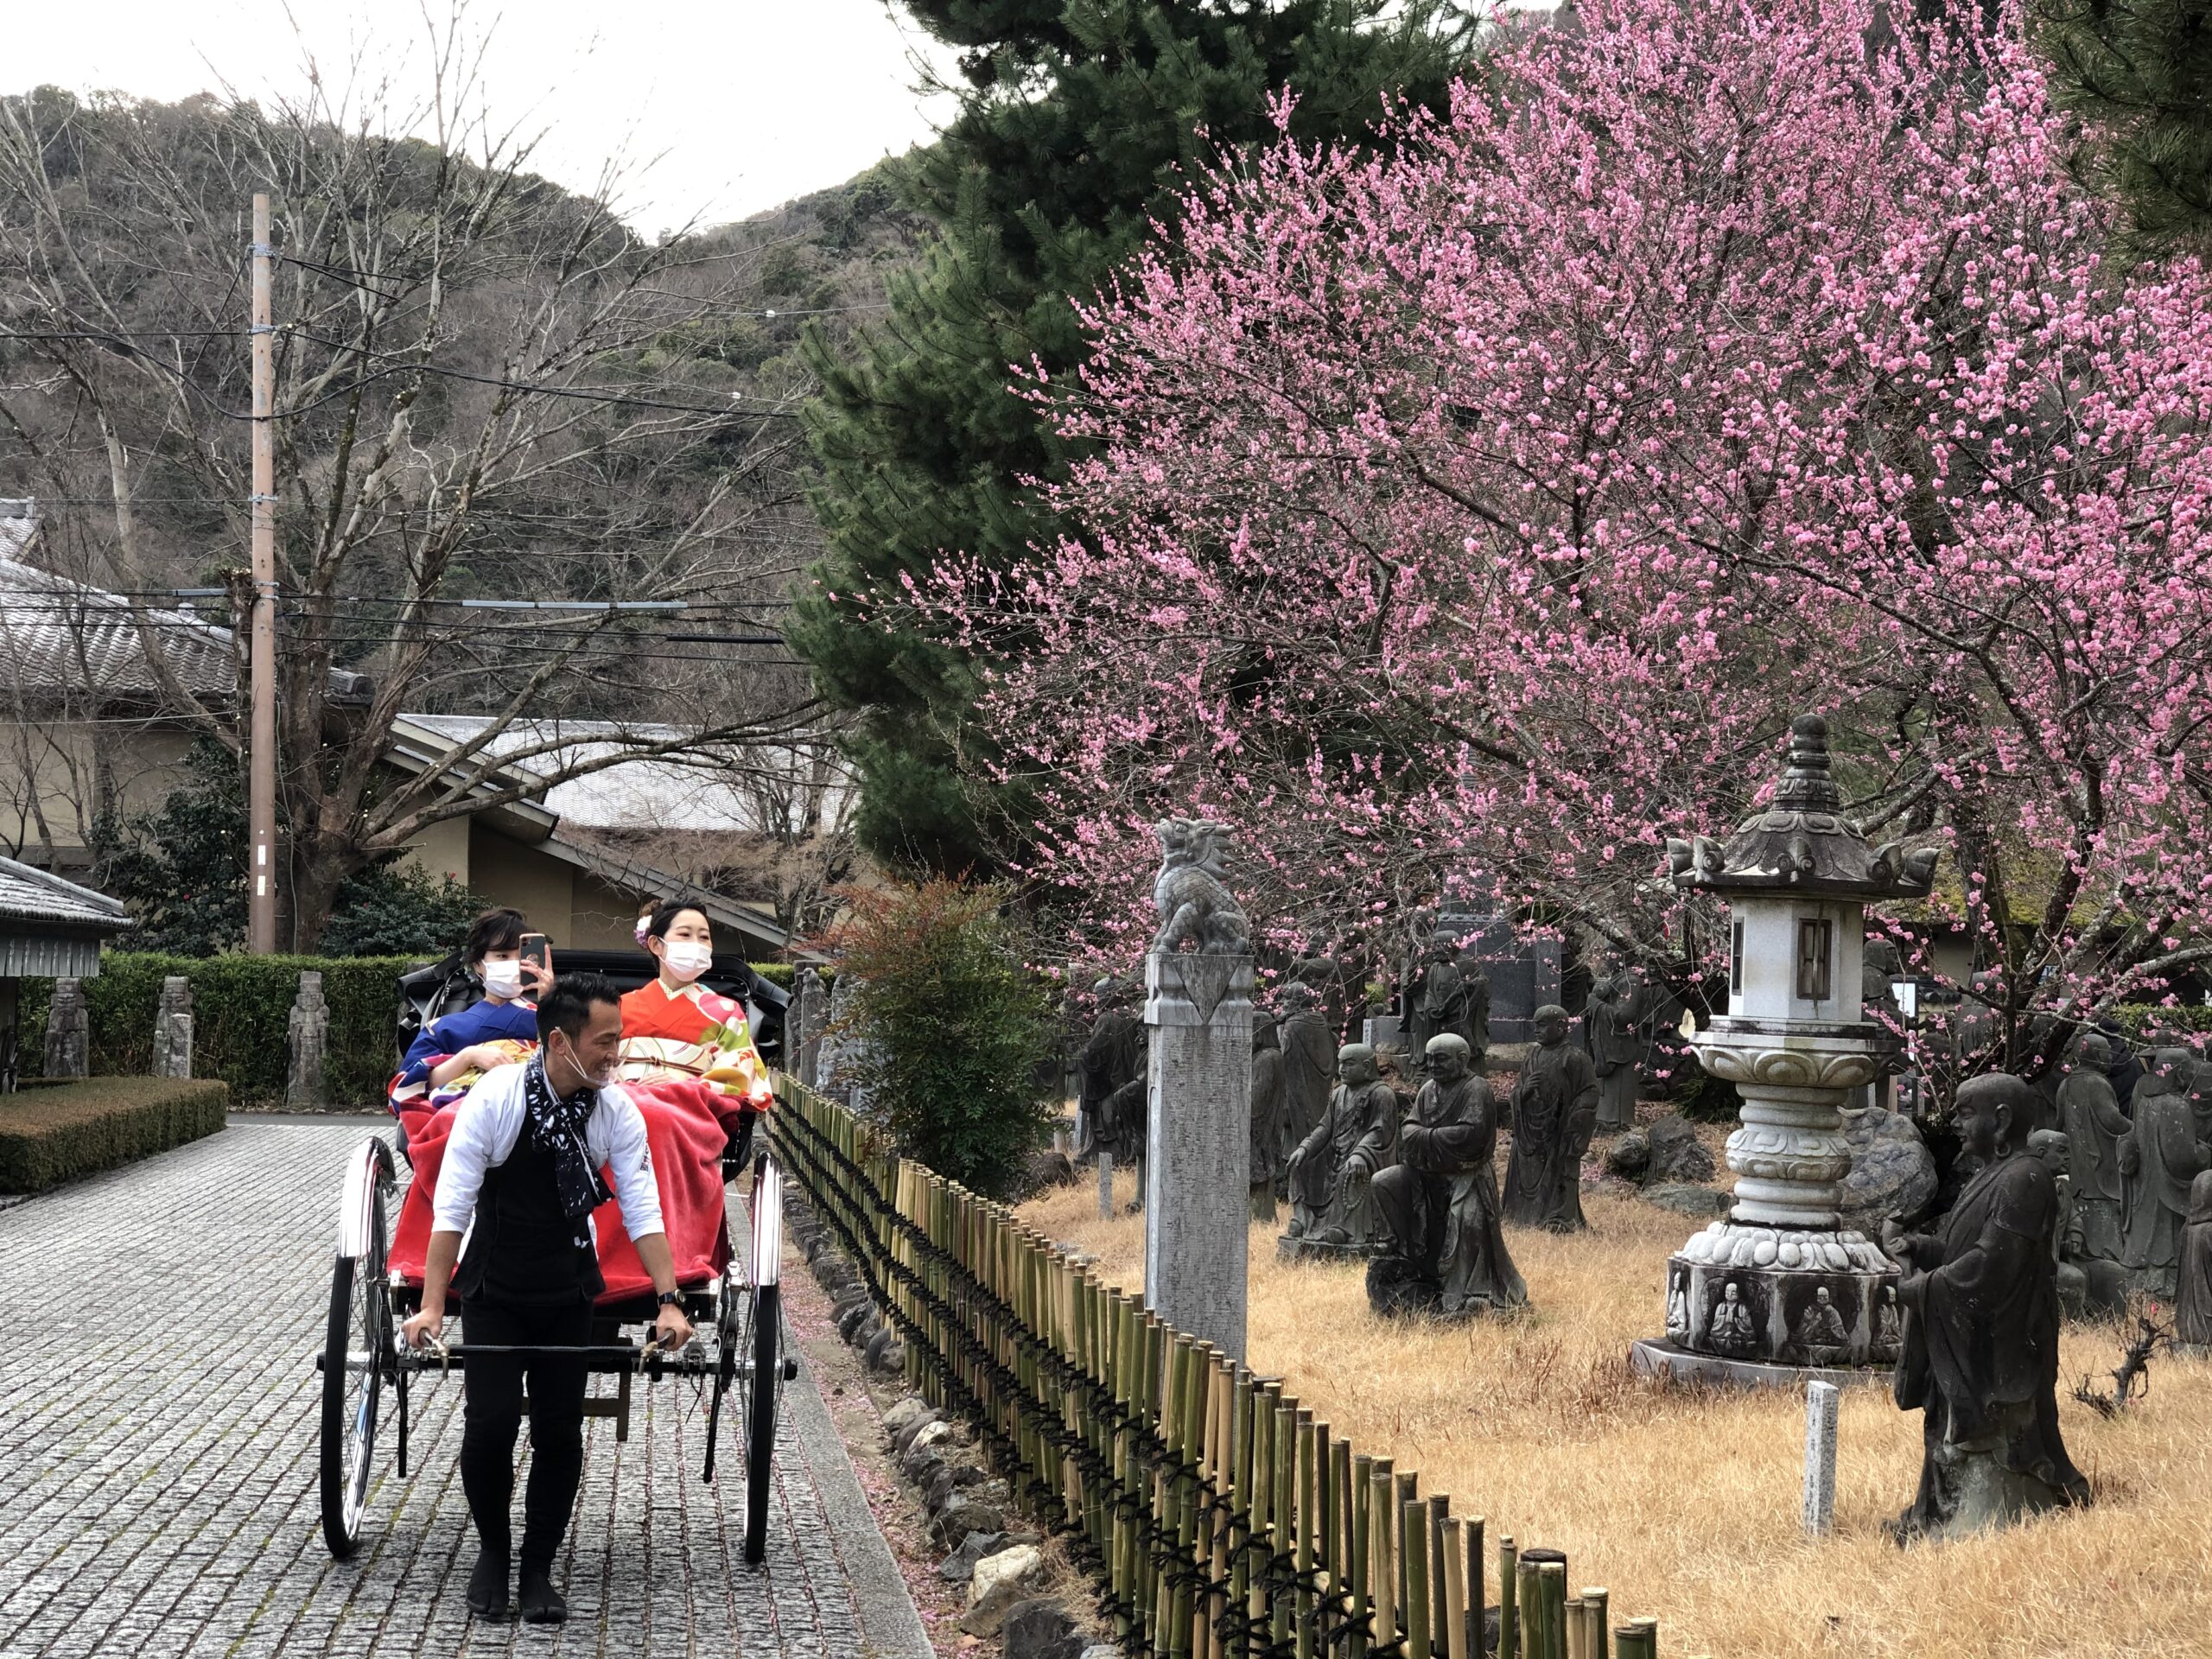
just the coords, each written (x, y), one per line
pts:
(173, 1029)
(2193, 1304)
(68, 1031)
(1309, 1062)
(1199, 1074)
(1442, 1249)
(1271, 1147)
(1981, 1345)
(1439, 1001)
(1554, 1109)
(1111, 1058)
(1476, 1026)
(1331, 1196)
(1329, 978)
(2159, 1157)
(1610, 1026)
(2089, 1116)
(305, 1087)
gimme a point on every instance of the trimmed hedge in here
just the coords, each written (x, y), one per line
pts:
(57, 1133)
(2139, 1017)
(241, 1020)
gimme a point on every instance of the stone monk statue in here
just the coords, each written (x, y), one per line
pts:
(2193, 1306)
(1555, 1106)
(1439, 1002)
(1980, 1358)
(1309, 1060)
(2159, 1157)
(1331, 1174)
(1610, 1026)
(1442, 1247)
(2089, 1116)
(1271, 1147)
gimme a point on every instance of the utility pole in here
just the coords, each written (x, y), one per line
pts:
(261, 760)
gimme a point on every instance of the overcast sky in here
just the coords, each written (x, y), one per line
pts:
(744, 103)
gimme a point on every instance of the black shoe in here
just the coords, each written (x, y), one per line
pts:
(541, 1602)
(487, 1584)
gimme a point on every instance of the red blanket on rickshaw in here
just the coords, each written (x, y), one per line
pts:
(688, 1124)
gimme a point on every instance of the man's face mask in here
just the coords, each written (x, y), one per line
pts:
(572, 1064)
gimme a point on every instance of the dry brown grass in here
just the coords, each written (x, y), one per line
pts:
(1686, 1505)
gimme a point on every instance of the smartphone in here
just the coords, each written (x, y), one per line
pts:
(534, 949)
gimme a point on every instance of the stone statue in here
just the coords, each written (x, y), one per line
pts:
(309, 1040)
(2193, 1304)
(1331, 1174)
(1195, 906)
(1438, 1002)
(1554, 1107)
(1327, 975)
(1889, 1325)
(1122, 1114)
(1309, 1062)
(1271, 1146)
(68, 1031)
(1442, 1247)
(1819, 1336)
(1980, 1358)
(2089, 1116)
(1610, 1029)
(2159, 1157)
(1475, 1029)
(1110, 1057)
(1678, 1313)
(1731, 1331)
(173, 1028)
(2054, 1151)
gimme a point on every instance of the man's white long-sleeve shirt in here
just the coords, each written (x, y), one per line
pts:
(488, 1120)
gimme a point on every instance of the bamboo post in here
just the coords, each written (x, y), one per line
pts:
(1343, 1556)
(1281, 1607)
(1455, 1591)
(1594, 1600)
(1638, 1638)
(1242, 1509)
(1414, 1518)
(1439, 1506)
(1312, 1438)
(1477, 1603)
(1383, 1578)
(1552, 1585)
(1408, 1489)
(1363, 1529)
(1508, 1599)
(1578, 1637)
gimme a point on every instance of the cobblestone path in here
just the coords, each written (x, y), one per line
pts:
(158, 1424)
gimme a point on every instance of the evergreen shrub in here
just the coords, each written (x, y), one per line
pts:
(954, 1026)
(66, 1130)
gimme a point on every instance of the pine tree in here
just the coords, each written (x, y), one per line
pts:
(2141, 72)
(1077, 122)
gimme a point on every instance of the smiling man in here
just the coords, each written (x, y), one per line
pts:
(516, 1192)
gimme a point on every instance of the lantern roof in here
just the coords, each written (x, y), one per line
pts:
(1800, 843)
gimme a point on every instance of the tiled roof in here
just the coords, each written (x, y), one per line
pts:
(29, 895)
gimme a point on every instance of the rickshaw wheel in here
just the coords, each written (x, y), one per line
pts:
(357, 1357)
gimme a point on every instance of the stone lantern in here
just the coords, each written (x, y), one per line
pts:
(1777, 1289)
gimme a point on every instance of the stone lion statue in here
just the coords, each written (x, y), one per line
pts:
(1195, 907)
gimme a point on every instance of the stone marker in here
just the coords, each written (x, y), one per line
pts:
(802, 1039)
(1105, 1184)
(69, 1035)
(305, 1086)
(1822, 1400)
(1199, 1092)
(173, 1029)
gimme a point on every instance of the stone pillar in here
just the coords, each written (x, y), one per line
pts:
(68, 1031)
(305, 1087)
(1198, 1142)
(1821, 1401)
(803, 1032)
(173, 1029)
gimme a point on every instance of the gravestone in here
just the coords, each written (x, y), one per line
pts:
(305, 1086)
(1524, 974)
(804, 1046)
(1821, 1401)
(1199, 1092)
(173, 1029)
(68, 1033)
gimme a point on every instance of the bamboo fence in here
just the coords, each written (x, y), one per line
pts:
(1220, 1520)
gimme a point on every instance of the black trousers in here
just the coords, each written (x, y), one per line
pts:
(494, 1418)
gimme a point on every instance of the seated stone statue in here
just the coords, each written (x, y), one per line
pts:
(1554, 1110)
(1819, 1336)
(1441, 1247)
(1331, 1174)
(1730, 1330)
(1980, 1358)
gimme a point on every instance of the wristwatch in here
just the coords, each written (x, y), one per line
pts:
(670, 1299)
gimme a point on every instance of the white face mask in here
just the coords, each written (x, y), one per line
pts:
(684, 960)
(502, 978)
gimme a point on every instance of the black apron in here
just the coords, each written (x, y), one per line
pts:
(522, 1249)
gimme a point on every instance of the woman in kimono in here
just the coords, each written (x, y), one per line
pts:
(447, 1055)
(675, 1030)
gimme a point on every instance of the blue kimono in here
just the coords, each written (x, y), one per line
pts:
(480, 1022)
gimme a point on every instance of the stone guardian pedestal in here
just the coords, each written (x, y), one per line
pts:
(1198, 1143)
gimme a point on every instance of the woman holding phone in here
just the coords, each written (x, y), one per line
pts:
(516, 970)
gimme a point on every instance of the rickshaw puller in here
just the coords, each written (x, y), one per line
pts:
(522, 1163)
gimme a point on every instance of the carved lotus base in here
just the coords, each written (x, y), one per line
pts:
(1803, 1300)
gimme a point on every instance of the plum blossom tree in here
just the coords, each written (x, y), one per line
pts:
(1473, 514)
